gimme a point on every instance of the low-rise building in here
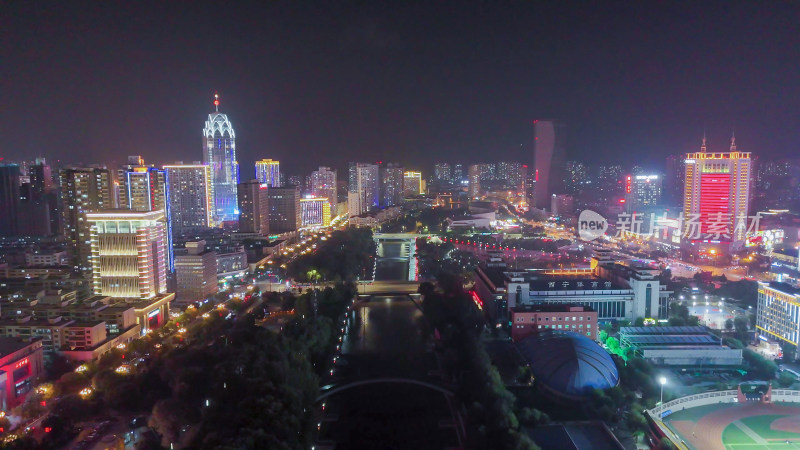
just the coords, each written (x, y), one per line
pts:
(533, 319)
(21, 365)
(692, 346)
(778, 316)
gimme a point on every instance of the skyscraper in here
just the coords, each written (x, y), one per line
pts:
(642, 191)
(284, 209)
(129, 252)
(549, 155)
(458, 174)
(717, 194)
(474, 177)
(674, 180)
(253, 207)
(391, 185)
(83, 190)
(144, 188)
(268, 172)
(191, 196)
(219, 141)
(363, 182)
(323, 184)
(9, 199)
(442, 172)
(412, 183)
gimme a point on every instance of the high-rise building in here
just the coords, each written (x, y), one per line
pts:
(674, 180)
(191, 196)
(323, 184)
(576, 177)
(315, 212)
(219, 147)
(511, 172)
(458, 174)
(363, 181)
(83, 190)
(9, 199)
(253, 207)
(195, 273)
(284, 209)
(442, 172)
(43, 199)
(474, 177)
(642, 191)
(412, 183)
(716, 194)
(391, 185)
(549, 155)
(488, 171)
(144, 188)
(778, 316)
(268, 172)
(129, 253)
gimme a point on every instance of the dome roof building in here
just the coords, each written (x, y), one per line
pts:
(568, 364)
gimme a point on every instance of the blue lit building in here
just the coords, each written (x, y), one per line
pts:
(219, 141)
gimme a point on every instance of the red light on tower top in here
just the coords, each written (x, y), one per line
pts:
(216, 101)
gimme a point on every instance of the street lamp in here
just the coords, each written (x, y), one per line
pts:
(662, 381)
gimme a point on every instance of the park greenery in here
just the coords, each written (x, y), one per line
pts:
(452, 316)
(346, 255)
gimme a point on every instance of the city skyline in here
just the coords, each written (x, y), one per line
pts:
(656, 100)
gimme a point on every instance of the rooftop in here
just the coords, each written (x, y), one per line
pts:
(11, 345)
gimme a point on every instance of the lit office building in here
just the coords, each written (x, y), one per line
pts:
(442, 172)
(323, 184)
(778, 316)
(195, 273)
(315, 212)
(83, 190)
(144, 188)
(191, 196)
(717, 193)
(268, 172)
(219, 152)
(474, 177)
(642, 191)
(253, 207)
(412, 183)
(549, 153)
(129, 253)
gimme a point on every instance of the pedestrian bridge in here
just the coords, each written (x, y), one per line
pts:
(332, 389)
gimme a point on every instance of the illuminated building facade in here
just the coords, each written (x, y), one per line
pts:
(129, 253)
(442, 172)
(145, 188)
(253, 207)
(717, 194)
(412, 183)
(191, 196)
(83, 190)
(315, 212)
(323, 184)
(219, 152)
(778, 315)
(549, 153)
(268, 172)
(642, 191)
(195, 273)
(21, 365)
(474, 177)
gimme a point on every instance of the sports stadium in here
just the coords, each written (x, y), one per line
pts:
(750, 417)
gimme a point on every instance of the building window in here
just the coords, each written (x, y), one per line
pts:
(588, 326)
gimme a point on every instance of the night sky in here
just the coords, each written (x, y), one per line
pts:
(325, 83)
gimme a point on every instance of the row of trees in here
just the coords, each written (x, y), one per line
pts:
(492, 421)
(344, 256)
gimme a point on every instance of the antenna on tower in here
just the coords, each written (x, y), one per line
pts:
(733, 140)
(703, 147)
(216, 101)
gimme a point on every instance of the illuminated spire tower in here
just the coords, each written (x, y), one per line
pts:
(219, 141)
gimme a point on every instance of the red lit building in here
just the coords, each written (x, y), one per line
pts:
(21, 364)
(716, 195)
(532, 319)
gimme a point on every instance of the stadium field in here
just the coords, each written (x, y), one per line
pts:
(738, 426)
